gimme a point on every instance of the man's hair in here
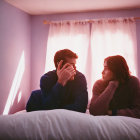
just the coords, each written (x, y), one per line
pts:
(118, 65)
(63, 54)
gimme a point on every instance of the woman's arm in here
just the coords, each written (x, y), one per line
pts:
(100, 101)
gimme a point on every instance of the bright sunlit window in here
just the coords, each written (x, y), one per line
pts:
(93, 45)
(72, 43)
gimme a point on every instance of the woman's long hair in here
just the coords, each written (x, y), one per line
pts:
(118, 65)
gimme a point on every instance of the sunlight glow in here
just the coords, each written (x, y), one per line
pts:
(19, 96)
(71, 43)
(15, 84)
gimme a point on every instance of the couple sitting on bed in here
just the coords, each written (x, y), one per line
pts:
(117, 93)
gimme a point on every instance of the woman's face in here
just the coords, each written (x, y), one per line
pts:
(107, 74)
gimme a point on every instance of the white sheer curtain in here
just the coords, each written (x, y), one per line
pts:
(113, 37)
(70, 35)
(93, 42)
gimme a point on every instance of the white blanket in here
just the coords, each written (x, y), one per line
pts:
(67, 125)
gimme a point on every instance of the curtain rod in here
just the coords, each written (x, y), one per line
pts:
(50, 22)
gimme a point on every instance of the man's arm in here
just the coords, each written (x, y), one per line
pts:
(48, 96)
(34, 102)
(51, 91)
(52, 85)
(100, 101)
(81, 95)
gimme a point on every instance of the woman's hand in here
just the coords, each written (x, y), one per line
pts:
(115, 83)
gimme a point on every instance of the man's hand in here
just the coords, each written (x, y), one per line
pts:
(65, 73)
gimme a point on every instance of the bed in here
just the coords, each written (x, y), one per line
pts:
(67, 125)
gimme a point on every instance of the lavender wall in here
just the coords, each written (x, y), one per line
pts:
(39, 36)
(14, 39)
(40, 33)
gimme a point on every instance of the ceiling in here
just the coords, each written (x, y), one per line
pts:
(39, 7)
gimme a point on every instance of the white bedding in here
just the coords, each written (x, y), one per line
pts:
(67, 125)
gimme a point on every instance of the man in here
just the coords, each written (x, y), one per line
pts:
(63, 88)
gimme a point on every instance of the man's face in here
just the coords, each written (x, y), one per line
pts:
(71, 61)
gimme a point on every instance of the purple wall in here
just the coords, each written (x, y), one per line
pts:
(39, 36)
(40, 33)
(14, 39)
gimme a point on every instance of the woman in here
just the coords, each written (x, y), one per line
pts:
(118, 92)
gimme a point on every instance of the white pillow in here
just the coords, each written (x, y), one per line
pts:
(67, 125)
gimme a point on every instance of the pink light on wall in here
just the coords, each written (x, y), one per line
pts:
(19, 96)
(15, 85)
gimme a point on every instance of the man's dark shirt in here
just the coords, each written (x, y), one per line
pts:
(73, 96)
